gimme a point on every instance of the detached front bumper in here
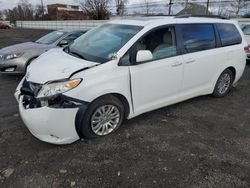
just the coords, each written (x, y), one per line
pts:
(56, 126)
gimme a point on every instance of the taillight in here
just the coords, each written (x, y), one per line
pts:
(247, 48)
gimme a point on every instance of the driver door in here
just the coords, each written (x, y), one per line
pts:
(158, 82)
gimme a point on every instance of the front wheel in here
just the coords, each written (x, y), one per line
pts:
(223, 84)
(104, 116)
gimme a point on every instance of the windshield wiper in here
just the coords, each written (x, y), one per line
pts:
(37, 42)
(76, 54)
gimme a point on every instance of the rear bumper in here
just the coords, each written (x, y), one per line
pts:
(56, 126)
(248, 56)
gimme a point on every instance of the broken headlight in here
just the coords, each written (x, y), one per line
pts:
(57, 87)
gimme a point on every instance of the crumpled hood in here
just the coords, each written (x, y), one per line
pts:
(23, 47)
(55, 65)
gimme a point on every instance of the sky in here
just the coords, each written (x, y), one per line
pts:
(5, 4)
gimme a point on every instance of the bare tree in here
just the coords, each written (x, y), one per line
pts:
(147, 6)
(95, 9)
(1, 15)
(238, 5)
(39, 12)
(23, 11)
(120, 6)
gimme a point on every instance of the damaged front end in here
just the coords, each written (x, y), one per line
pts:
(30, 92)
(51, 119)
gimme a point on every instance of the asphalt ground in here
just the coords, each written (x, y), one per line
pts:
(203, 142)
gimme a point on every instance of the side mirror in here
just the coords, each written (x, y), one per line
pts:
(144, 55)
(63, 43)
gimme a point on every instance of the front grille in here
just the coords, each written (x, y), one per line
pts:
(30, 88)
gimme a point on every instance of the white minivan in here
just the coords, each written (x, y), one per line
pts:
(124, 68)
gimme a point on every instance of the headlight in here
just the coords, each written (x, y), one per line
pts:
(58, 87)
(13, 56)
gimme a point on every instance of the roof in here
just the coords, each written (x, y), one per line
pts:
(143, 21)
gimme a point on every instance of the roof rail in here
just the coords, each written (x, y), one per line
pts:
(157, 15)
(202, 16)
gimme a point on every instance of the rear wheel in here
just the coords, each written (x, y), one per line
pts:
(104, 116)
(224, 83)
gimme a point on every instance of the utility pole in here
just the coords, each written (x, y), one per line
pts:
(170, 6)
(42, 6)
(207, 7)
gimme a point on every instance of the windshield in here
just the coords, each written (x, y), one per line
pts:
(246, 30)
(101, 43)
(51, 37)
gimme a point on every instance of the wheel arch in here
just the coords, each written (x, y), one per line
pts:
(29, 61)
(215, 78)
(122, 98)
(83, 109)
(231, 68)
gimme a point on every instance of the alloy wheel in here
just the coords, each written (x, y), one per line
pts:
(105, 119)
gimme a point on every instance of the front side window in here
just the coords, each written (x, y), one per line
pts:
(51, 37)
(160, 42)
(102, 43)
(198, 37)
(229, 34)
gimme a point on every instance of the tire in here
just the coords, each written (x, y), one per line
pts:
(89, 121)
(223, 84)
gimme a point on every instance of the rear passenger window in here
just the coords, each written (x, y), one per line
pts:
(229, 34)
(198, 37)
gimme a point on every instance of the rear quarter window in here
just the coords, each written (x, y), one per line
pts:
(229, 34)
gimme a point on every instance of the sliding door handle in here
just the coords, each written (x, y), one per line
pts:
(176, 64)
(191, 60)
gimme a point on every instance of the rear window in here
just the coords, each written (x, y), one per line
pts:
(198, 37)
(229, 34)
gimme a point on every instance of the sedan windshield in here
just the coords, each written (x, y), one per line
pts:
(246, 30)
(51, 37)
(102, 43)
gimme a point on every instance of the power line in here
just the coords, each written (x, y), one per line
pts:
(172, 2)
